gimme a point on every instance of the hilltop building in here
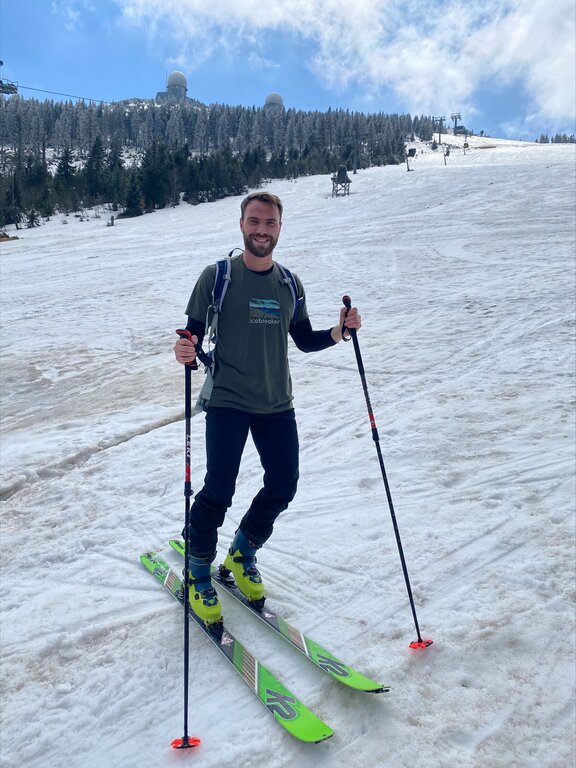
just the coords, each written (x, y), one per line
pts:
(274, 100)
(177, 93)
(176, 90)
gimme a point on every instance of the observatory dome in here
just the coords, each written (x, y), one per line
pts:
(177, 78)
(274, 98)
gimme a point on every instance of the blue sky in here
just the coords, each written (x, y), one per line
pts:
(508, 66)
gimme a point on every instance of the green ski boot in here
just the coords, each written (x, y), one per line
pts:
(241, 560)
(202, 596)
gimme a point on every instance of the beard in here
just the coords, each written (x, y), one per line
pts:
(261, 250)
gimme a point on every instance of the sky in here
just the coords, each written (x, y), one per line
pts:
(507, 66)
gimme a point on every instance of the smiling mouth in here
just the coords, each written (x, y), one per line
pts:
(261, 245)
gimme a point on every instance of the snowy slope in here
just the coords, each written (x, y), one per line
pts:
(464, 275)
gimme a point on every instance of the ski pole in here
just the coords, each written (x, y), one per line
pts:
(187, 742)
(419, 643)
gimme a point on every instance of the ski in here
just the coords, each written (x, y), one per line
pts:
(311, 649)
(292, 715)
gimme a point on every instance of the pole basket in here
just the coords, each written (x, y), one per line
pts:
(416, 644)
(185, 743)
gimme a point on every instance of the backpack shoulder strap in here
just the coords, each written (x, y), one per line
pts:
(289, 280)
(222, 280)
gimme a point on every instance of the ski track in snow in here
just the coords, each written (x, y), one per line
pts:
(464, 275)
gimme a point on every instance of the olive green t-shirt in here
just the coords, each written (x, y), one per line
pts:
(251, 371)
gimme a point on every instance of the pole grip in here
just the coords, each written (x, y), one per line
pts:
(347, 301)
(202, 356)
(185, 334)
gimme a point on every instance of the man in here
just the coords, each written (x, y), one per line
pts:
(252, 392)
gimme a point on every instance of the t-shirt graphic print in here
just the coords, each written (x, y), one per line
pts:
(265, 311)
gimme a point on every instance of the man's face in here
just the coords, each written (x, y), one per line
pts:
(260, 226)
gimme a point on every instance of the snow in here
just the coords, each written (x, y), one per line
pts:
(464, 276)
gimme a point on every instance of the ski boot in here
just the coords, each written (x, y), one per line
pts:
(241, 560)
(202, 596)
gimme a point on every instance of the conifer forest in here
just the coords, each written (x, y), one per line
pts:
(57, 158)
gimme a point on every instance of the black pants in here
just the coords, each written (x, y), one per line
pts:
(276, 439)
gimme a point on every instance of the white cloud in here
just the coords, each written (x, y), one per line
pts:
(71, 12)
(433, 54)
(535, 44)
(258, 62)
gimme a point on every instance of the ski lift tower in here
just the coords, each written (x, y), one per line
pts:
(440, 121)
(456, 116)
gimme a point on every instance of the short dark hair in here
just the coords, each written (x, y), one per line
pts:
(263, 197)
